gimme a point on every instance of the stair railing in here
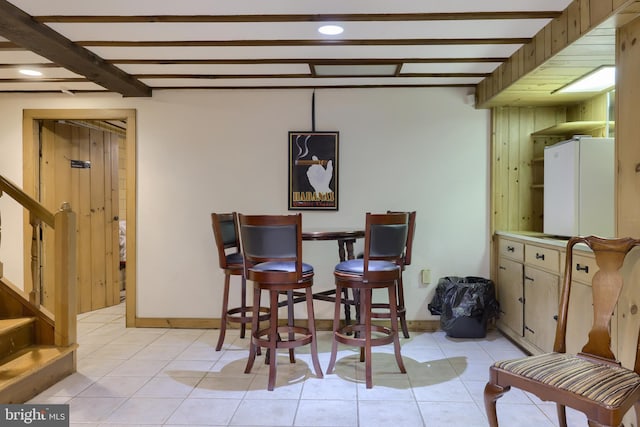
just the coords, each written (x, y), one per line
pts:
(63, 223)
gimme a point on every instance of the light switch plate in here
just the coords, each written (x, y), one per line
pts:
(426, 276)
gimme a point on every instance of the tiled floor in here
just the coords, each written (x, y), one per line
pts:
(174, 377)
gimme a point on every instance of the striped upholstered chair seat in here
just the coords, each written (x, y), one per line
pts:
(607, 385)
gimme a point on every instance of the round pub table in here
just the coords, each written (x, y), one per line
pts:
(345, 237)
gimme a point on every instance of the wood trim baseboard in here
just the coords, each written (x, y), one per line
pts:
(208, 323)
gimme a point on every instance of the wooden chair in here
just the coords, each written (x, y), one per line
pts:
(402, 261)
(225, 233)
(592, 381)
(272, 251)
(385, 240)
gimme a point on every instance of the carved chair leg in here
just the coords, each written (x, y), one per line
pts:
(402, 311)
(273, 340)
(312, 331)
(492, 392)
(254, 329)
(365, 295)
(225, 307)
(394, 328)
(243, 306)
(291, 323)
(562, 415)
(336, 326)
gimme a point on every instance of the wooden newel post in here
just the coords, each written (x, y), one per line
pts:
(1, 272)
(65, 299)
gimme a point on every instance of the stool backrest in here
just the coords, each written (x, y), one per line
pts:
(271, 238)
(225, 232)
(406, 257)
(385, 237)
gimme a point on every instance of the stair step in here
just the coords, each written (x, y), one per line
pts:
(32, 370)
(16, 334)
(7, 325)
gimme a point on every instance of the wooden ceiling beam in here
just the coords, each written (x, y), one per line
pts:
(344, 17)
(22, 29)
(306, 42)
(318, 61)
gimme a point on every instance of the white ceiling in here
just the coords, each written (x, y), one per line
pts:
(262, 44)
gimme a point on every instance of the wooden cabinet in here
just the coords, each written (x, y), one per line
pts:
(529, 281)
(541, 289)
(540, 307)
(580, 315)
(528, 287)
(511, 295)
(509, 289)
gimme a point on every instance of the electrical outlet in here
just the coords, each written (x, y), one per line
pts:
(426, 276)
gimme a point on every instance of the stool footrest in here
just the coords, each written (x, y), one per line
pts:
(342, 335)
(304, 337)
(243, 315)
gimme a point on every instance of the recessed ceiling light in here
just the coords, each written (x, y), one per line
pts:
(330, 30)
(31, 73)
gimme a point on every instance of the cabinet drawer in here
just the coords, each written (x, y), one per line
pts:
(511, 249)
(546, 258)
(583, 269)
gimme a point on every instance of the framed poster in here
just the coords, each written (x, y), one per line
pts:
(313, 170)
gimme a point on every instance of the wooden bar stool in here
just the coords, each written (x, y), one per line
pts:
(272, 251)
(402, 261)
(225, 233)
(385, 239)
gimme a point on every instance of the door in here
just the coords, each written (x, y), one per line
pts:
(540, 307)
(510, 295)
(79, 165)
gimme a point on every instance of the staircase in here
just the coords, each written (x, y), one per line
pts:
(28, 368)
(38, 346)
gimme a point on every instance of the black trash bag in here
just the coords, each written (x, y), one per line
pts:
(465, 304)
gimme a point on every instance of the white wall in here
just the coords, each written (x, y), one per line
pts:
(204, 151)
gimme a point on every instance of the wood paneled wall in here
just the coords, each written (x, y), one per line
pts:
(628, 129)
(517, 167)
(516, 206)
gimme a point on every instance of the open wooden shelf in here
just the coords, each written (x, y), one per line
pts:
(574, 128)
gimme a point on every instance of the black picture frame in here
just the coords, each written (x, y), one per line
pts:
(313, 170)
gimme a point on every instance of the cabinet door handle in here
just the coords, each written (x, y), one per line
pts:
(502, 268)
(539, 256)
(580, 268)
(530, 330)
(555, 317)
(511, 249)
(521, 300)
(528, 278)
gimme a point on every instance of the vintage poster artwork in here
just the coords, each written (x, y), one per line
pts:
(313, 170)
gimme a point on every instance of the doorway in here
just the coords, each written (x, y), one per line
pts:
(70, 150)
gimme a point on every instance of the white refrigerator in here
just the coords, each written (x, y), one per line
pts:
(579, 187)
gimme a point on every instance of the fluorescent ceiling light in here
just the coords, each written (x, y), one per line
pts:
(330, 30)
(29, 72)
(356, 70)
(598, 80)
